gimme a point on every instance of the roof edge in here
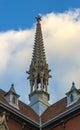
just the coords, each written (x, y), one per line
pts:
(67, 112)
(19, 114)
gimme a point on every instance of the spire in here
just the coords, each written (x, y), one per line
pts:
(38, 72)
(38, 51)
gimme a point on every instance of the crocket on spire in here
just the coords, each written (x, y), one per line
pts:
(38, 71)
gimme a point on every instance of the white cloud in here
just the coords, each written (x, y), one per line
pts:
(62, 44)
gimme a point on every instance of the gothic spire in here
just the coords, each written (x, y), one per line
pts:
(38, 72)
(38, 51)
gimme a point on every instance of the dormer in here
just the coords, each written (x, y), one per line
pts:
(12, 97)
(73, 95)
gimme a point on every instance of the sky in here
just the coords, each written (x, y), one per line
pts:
(61, 33)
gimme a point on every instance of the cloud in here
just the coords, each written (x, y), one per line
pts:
(62, 44)
(15, 56)
(62, 41)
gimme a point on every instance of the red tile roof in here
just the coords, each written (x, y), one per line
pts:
(24, 109)
(56, 109)
(50, 113)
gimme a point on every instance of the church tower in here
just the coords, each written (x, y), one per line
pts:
(39, 74)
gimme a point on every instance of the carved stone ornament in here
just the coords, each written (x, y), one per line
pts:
(3, 124)
(38, 71)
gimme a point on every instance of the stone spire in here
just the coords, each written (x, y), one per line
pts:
(38, 52)
(38, 71)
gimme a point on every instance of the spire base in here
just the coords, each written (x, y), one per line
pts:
(39, 101)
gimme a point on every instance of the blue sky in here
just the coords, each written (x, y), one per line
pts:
(61, 30)
(15, 14)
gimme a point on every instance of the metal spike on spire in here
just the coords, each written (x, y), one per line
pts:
(38, 72)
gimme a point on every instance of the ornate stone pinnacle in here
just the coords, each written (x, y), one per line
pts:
(38, 71)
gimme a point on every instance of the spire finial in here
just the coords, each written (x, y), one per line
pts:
(38, 18)
(12, 85)
(73, 84)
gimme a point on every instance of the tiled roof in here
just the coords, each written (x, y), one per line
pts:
(50, 113)
(24, 109)
(56, 109)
